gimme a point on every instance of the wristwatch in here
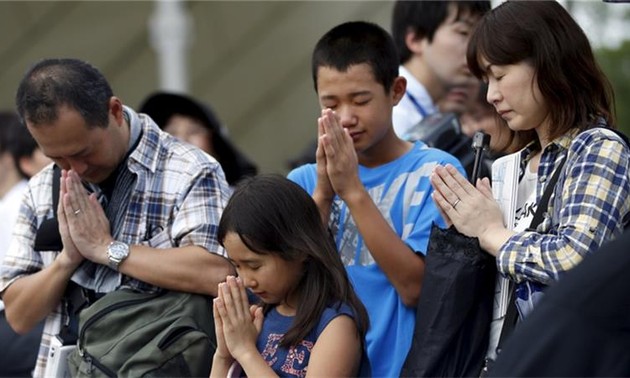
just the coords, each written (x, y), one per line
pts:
(116, 253)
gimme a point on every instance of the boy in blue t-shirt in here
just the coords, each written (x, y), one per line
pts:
(372, 187)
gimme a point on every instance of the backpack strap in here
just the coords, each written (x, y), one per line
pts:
(56, 183)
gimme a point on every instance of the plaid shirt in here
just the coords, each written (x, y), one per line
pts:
(178, 199)
(588, 207)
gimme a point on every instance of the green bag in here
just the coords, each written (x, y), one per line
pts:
(132, 334)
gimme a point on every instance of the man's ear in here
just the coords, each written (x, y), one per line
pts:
(116, 109)
(414, 42)
(398, 89)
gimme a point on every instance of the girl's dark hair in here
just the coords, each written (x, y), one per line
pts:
(273, 215)
(543, 34)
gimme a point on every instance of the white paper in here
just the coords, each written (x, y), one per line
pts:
(505, 186)
(505, 190)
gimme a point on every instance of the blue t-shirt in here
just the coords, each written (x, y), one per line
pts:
(292, 361)
(402, 191)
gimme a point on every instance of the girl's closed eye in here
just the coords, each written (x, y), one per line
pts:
(253, 267)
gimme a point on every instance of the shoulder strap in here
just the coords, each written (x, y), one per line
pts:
(511, 314)
(543, 204)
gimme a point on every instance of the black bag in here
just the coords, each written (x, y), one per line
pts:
(454, 312)
(132, 334)
(455, 308)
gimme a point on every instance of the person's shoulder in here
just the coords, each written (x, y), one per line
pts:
(160, 148)
(302, 172)
(597, 133)
(42, 180)
(424, 154)
(592, 138)
(333, 311)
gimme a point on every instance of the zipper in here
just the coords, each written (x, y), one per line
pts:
(94, 362)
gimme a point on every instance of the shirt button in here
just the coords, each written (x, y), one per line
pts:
(542, 179)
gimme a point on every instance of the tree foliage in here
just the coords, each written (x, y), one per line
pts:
(616, 64)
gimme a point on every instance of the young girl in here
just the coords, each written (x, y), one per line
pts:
(544, 81)
(311, 323)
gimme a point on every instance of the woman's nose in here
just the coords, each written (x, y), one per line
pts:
(493, 96)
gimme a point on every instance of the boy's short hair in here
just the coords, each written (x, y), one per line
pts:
(357, 42)
(425, 17)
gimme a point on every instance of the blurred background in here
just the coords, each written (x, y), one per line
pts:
(249, 60)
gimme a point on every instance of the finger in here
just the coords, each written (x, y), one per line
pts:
(229, 303)
(225, 305)
(221, 311)
(235, 292)
(441, 185)
(320, 126)
(75, 191)
(320, 153)
(258, 319)
(243, 295)
(61, 214)
(94, 207)
(460, 180)
(327, 144)
(215, 311)
(252, 310)
(483, 185)
(224, 294)
(442, 205)
(333, 129)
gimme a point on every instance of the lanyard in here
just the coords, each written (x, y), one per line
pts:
(415, 103)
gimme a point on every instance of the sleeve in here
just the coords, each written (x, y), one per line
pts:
(199, 210)
(21, 258)
(331, 313)
(588, 210)
(305, 176)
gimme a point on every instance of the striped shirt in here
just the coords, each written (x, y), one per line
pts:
(178, 199)
(588, 207)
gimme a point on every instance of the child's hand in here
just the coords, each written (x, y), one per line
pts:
(323, 187)
(222, 350)
(257, 316)
(341, 157)
(240, 328)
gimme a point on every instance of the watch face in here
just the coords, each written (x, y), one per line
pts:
(118, 250)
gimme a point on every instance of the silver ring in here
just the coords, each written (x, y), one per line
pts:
(454, 205)
(77, 211)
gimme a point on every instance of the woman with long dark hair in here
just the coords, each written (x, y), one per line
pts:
(544, 81)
